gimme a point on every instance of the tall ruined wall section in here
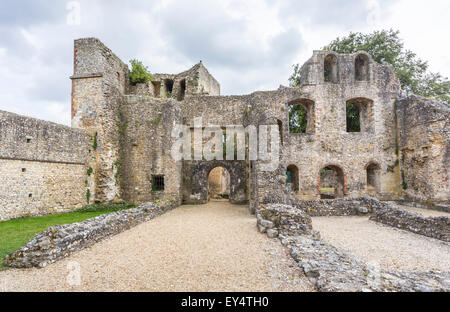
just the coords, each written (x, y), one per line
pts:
(43, 167)
(425, 150)
(146, 128)
(329, 143)
(326, 141)
(99, 83)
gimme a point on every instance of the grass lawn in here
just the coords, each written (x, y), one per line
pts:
(14, 234)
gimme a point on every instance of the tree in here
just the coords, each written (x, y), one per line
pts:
(298, 119)
(353, 121)
(386, 47)
(139, 73)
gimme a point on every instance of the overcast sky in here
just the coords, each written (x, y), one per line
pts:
(247, 45)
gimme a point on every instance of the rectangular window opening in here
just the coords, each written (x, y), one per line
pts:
(158, 183)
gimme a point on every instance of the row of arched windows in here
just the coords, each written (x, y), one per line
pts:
(359, 115)
(331, 68)
(332, 180)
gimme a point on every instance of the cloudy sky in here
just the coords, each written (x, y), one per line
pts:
(247, 45)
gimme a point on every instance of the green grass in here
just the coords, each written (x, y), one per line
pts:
(14, 234)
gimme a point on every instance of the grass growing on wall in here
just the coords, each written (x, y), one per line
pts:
(15, 234)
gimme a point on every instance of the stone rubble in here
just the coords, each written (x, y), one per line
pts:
(331, 269)
(278, 219)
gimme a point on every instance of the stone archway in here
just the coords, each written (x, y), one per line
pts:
(218, 184)
(195, 180)
(332, 182)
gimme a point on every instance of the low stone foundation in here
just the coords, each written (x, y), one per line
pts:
(338, 207)
(277, 219)
(435, 227)
(333, 270)
(63, 240)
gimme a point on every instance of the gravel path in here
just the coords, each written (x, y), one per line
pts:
(213, 247)
(391, 248)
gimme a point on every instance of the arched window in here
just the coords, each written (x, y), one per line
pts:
(301, 116)
(292, 178)
(362, 68)
(331, 69)
(359, 114)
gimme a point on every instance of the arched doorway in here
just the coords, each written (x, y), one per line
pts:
(332, 182)
(195, 175)
(219, 184)
(373, 178)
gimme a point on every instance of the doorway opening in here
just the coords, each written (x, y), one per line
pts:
(219, 184)
(332, 183)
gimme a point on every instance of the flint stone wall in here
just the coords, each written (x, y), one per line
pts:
(63, 240)
(425, 151)
(331, 269)
(277, 219)
(43, 167)
(338, 207)
(435, 227)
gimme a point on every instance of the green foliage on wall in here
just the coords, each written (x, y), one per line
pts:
(88, 196)
(95, 144)
(139, 73)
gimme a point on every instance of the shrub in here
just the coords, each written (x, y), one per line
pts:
(139, 73)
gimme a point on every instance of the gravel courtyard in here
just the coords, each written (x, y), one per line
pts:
(391, 248)
(213, 247)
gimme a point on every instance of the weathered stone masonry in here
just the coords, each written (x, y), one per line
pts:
(124, 138)
(43, 167)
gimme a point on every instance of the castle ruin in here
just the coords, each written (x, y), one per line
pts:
(118, 147)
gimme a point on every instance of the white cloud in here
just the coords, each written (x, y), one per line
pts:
(248, 45)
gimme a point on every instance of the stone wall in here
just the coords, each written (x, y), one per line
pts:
(425, 151)
(145, 148)
(435, 227)
(99, 82)
(130, 130)
(63, 240)
(327, 142)
(338, 207)
(195, 180)
(277, 219)
(43, 167)
(331, 269)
